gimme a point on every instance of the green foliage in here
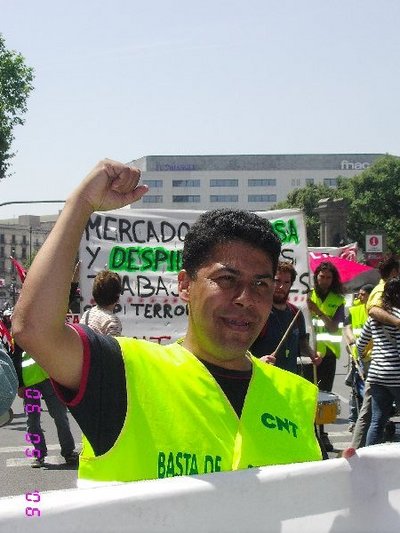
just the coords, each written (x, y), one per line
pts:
(306, 199)
(373, 197)
(15, 85)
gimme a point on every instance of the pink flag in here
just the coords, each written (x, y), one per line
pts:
(19, 268)
(352, 274)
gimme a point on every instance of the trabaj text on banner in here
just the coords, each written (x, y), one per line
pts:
(145, 248)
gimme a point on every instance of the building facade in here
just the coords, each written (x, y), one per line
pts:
(253, 182)
(20, 238)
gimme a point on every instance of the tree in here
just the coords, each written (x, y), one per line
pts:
(373, 197)
(306, 199)
(374, 200)
(15, 85)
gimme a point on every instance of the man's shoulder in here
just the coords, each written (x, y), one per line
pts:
(375, 298)
(293, 308)
(134, 348)
(288, 309)
(336, 298)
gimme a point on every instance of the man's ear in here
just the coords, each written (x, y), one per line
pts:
(184, 281)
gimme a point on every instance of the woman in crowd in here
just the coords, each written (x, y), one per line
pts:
(384, 370)
(106, 292)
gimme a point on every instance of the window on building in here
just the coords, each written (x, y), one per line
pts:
(186, 198)
(261, 182)
(2, 240)
(309, 181)
(261, 198)
(24, 240)
(186, 183)
(330, 182)
(23, 253)
(152, 199)
(224, 183)
(2, 251)
(13, 241)
(231, 198)
(153, 183)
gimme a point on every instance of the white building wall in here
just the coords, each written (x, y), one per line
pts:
(20, 238)
(318, 167)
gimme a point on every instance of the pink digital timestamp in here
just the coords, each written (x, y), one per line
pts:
(32, 438)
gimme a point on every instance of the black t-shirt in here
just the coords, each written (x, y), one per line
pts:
(99, 406)
(272, 333)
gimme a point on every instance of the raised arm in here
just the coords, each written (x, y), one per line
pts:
(39, 316)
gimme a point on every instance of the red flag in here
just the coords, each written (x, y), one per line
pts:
(6, 338)
(19, 268)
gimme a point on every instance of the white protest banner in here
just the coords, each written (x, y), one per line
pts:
(145, 248)
(360, 494)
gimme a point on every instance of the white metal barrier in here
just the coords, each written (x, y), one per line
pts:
(361, 494)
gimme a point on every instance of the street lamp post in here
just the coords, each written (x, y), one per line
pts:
(13, 279)
(33, 202)
(30, 245)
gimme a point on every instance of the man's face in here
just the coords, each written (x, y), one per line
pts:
(229, 301)
(282, 287)
(324, 281)
(363, 296)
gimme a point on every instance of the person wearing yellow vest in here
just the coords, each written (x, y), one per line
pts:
(354, 321)
(326, 304)
(35, 377)
(389, 268)
(201, 405)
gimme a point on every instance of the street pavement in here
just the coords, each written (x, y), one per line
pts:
(17, 476)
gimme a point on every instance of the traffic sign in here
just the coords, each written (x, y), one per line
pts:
(374, 242)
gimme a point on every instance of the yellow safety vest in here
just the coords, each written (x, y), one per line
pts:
(179, 421)
(324, 339)
(358, 317)
(32, 373)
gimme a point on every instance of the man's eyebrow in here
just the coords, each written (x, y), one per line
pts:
(229, 269)
(262, 276)
(236, 272)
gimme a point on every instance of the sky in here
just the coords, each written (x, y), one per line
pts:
(125, 79)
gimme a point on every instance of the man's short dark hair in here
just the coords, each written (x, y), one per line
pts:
(222, 226)
(106, 288)
(367, 288)
(287, 266)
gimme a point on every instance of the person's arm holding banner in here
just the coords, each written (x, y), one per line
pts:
(39, 316)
